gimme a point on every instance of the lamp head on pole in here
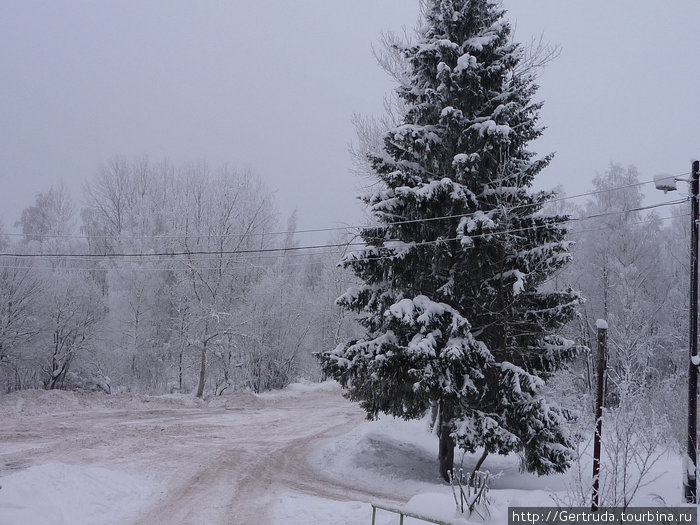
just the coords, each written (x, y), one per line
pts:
(665, 182)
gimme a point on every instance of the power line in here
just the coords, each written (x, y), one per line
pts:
(221, 253)
(327, 229)
(172, 254)
(198, 268)
(527, 228)
(572, 233)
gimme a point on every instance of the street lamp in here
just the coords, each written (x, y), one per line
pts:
(668, 183)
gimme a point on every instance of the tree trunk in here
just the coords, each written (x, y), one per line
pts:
(202, 371)
(446, 455)
(179, 370)
(478, 466)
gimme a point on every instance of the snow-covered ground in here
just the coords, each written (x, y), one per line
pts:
(57, 492)
(302, 456)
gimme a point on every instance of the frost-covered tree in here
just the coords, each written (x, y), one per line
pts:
(20, 295)
(453, 302)
(70, 312)
(128, 209)
(50, 217)
(632, 267)
(221, 216)
(626, 281)
(66, 314)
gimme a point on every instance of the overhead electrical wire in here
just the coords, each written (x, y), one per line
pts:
(327, 229)
(306, 263)
(282, 252)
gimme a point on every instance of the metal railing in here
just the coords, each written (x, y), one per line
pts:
(404, 513)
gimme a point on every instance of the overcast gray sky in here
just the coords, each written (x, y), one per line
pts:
(272, 85)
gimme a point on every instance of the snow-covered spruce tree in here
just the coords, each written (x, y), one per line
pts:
(453, 302)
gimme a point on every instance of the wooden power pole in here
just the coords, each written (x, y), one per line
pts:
(602, 363)
(691, 463)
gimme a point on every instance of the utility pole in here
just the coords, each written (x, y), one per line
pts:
(690, 476)
(602, 362)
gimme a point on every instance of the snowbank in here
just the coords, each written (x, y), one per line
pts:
(58, 494)
(399, 458)
(43, 402)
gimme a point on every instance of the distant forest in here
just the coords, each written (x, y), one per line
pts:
(160, 281)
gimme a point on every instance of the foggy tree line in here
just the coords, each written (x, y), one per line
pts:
(229, 321)
(161, 286)
(633, 270)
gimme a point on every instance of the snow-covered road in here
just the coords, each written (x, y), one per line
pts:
(226, 462)
(303, 456)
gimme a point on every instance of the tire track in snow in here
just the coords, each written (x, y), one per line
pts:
(217, 464)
